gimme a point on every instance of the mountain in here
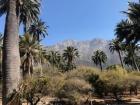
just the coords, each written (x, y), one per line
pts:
(86, 49)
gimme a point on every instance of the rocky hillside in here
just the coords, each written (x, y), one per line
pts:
(86, 49)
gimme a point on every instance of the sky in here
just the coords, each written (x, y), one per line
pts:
(79, 19)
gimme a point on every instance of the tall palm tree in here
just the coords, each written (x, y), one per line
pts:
(131, 54)
(69, 55)
(29, 51)
(54, 58)
(11, 57)
(116, 46)
(99, 58)
(1, 46)
(38, 29)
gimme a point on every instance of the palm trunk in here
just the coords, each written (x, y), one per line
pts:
(11, 58)
(120, 59)
(135, 64)
(41, 71)
(101, 66)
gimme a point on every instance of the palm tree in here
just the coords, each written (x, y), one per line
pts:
(11, 68)
(133, 12)
(11, 57)
(69, 55)
(42, 58)
(99, 58)
(29, 51)
(1, 46)
(38, 29)
(27, 10)
(124, 31)
(129, 30)
(115, 45)
(54, 58)
(131, 54)
(128, 61)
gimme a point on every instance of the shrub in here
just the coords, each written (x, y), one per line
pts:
(33, 89)
(73, 90)
(55, 84)
(82, 73)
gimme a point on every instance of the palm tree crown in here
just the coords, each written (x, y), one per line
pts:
(117, 46)
(54, 58)
(27, 11)
(38, 29)
(29, 51)
(129, 30)
(99, 58)
(69, 55)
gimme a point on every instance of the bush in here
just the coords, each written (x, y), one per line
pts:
(75, 84)
(82, 73)
(73, 90)
(33, 89)
(55, 84)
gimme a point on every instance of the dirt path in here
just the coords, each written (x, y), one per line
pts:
(133, 100)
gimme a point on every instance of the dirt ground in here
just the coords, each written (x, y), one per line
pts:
(132, 100)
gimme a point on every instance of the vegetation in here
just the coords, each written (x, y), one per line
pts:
(75, 84)
(54, 58)
(69, 56)
(99, 58)
(64, 62)
(116, 46)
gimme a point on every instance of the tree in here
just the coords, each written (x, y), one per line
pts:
(69, 55)
(99, 58)
(129, 29)
(27, 11)
(30, 53)
(42, 58)
(54, 58)
(123, 31)
(1, 46)
(38, 29)
(115, 45)
(11, 57)
(131, 56)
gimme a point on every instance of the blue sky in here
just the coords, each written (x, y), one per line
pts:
(80, 19)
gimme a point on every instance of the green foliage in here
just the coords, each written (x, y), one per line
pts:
(128, 30)
(54, 58)
(69, 56)
(31, 52)
(38, 29)
(115, 81)
(117, 46)
(99, 58)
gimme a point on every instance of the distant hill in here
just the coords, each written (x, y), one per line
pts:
(86, 49)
